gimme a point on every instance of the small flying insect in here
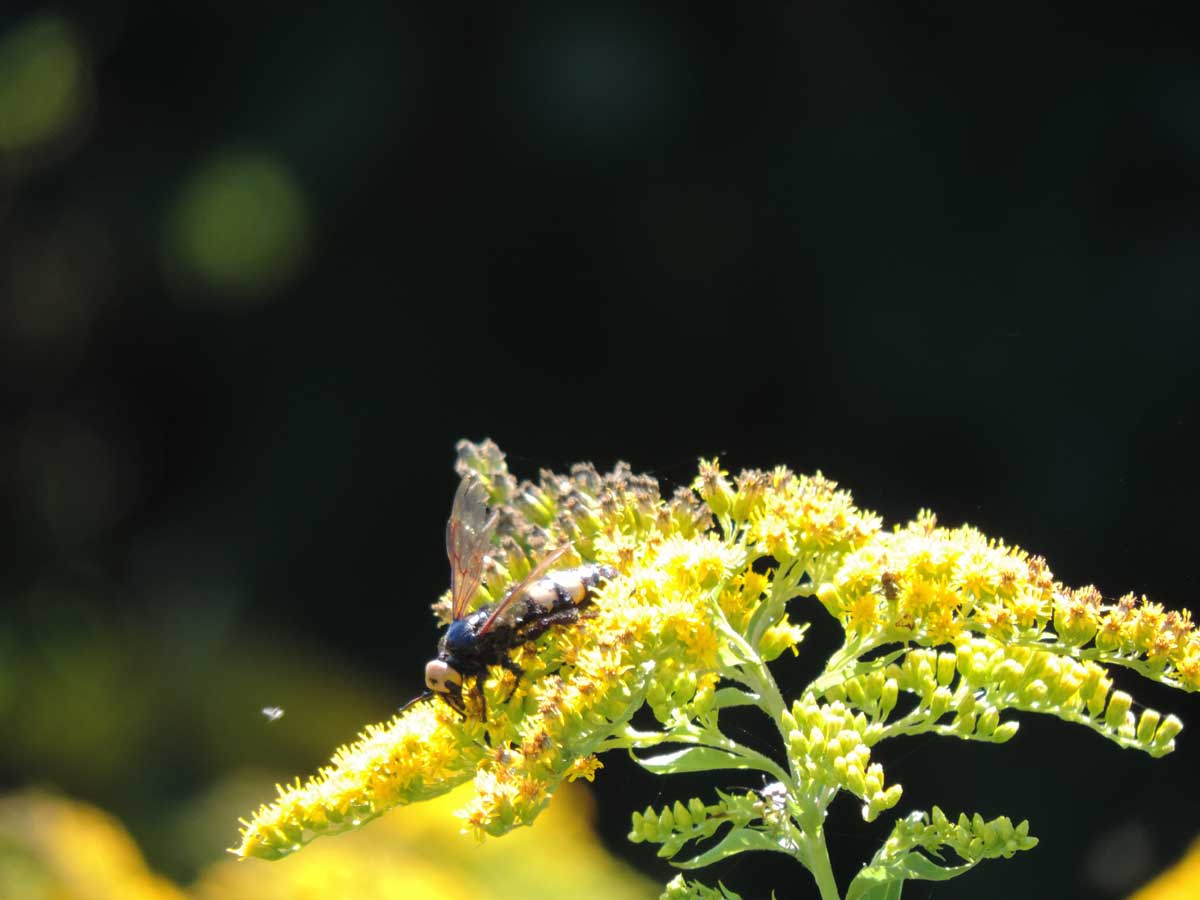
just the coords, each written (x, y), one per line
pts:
(272, 713)
(474, 642)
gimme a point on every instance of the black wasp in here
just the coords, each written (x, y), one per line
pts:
(472, 643)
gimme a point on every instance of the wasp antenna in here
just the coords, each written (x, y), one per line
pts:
(415, 700)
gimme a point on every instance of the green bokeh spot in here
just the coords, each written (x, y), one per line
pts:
(41, 81)
(240, 225)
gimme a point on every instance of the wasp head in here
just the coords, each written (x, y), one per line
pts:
(442, 678)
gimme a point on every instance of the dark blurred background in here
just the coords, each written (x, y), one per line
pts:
(261, 266)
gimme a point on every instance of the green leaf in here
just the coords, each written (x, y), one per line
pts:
(694, 759)
(844, 674)
(739, 840)
(728, 697)
(875, 881)
(885, 890)
(761, 619)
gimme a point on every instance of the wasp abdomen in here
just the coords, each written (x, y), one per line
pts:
(569, 587)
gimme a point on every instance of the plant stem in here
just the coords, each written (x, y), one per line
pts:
(820, 866)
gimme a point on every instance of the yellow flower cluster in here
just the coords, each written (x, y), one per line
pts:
(700, 597)
(651, 635)
(932, 586)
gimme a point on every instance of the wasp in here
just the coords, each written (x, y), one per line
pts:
(474, 642)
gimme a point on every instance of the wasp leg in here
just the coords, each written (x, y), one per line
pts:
(453, 699)
(477, 690)
(538, 627)
(511, 666)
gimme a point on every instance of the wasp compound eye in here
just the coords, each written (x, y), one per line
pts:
(438, 675)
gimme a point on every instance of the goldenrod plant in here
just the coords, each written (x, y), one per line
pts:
(946, 632)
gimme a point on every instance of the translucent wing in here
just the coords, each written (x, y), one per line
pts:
(468, 537)
(538, 571)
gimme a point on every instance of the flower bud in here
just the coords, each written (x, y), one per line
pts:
(940, 702)
(828, 595)
(1147, 725)
(656, 694)
(683, 819)
(706, 695)
(966, 706)
(537, 505)
(1034, 693)
(666, 821)
(839, 768)
(714, 487)
(649, 827)
(856, 781)
(797, 745)
(854, 691)
(1005, 731)
(889, 695)
(1009, 673)
(1170, 727)
(635, 832)
(1094, 690)
(683, 689)
(873, 779)
(965, 661)
(946, 665)
(1118, 708)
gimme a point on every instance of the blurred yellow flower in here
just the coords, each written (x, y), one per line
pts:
(56, 849)
(1180, 882)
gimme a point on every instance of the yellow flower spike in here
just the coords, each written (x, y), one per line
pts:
(421, 754)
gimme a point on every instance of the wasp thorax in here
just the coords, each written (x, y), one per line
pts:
(439, 675)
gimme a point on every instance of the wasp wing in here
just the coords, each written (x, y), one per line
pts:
(468, 537)
(538, 571)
